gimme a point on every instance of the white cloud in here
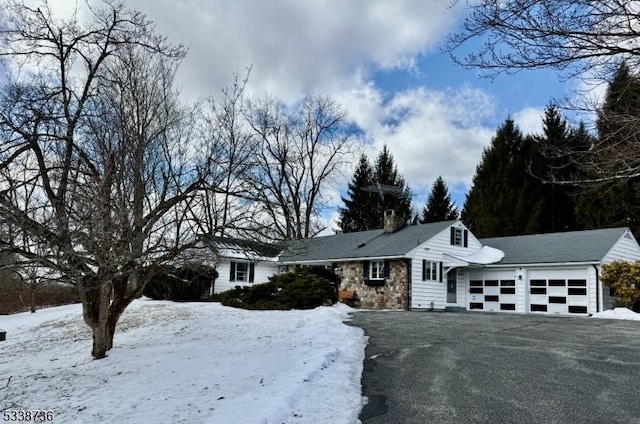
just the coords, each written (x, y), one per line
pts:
(529, 120)
(429, 133)
(296, 47)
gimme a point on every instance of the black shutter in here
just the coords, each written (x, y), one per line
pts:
(386, 269)
(251, 272)
(365, 270)
(466, 238)
(453, 235)
(232, 273)
(440, 271)
(424, 270)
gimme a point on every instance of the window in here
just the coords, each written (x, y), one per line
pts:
(377, 270)
(241, 271)
(459, 237)
(429, 270)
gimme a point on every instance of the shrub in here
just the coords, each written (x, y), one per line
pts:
(301, 289)
(624, 279)
(182, 284)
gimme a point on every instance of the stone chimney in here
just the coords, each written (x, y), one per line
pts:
(392, 222)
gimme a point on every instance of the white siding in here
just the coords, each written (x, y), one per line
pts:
(625, 249)
(262, 272)
(432, 294)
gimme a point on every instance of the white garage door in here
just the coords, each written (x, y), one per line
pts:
(557, 292)
(492, 291)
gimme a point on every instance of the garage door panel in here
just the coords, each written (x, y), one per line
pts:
(492, 291)
(557, 291)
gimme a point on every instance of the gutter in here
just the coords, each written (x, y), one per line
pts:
(539, 264)
(322, 261)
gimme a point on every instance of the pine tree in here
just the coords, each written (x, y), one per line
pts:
(439, 206)
(360, 212)
(372, 190)
(558, 212)
(398, 198)
(499, 203)
(617, 203)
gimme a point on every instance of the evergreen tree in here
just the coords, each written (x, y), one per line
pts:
(499, 202)
(558, 212)
(439, 206)
(393, 192)
(616, 203)
(360, 212)
(372, 190)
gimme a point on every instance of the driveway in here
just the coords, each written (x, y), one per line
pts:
(429, 367)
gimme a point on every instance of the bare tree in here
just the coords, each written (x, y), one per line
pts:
(586, 39)
(93, 117)
(230, 143)
(299, 152)
(576, 35)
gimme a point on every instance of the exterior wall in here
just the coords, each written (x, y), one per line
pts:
(262, 272)
(391, 295)
(433, 294)
(625, 249)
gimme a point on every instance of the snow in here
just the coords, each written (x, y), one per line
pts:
(618, 313)
(483, 256)
(187, 363)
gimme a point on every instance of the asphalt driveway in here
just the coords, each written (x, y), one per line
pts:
(423, 367)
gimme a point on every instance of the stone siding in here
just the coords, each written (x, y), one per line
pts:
(391, 295)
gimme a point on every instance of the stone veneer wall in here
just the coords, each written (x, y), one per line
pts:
(392, 295)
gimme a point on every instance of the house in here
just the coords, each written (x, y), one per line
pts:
(241, 262)
(443, 265)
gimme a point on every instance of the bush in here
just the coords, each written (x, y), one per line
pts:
(301, 289)
(181, 284)
(624, 279)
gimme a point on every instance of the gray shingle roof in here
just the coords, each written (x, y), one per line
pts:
(574, 246)
(247, 247)
(363, 244)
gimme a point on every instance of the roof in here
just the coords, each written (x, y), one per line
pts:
(573, 246)
(362, 244)
(238, 248)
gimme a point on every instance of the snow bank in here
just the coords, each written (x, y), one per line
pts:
(187, 363)
(618, 313)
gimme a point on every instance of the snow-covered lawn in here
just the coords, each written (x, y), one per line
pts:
(186, 363)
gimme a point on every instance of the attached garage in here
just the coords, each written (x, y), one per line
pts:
(557, 273)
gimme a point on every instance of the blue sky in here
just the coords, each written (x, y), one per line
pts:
(380, 59)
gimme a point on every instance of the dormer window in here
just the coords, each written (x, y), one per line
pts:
(459, 237)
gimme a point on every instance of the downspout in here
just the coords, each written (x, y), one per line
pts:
(408, 307)
(597, 287)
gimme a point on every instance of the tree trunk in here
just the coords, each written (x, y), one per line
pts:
(33, 296)
(96, 298)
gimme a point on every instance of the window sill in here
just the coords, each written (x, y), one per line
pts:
(375, 283)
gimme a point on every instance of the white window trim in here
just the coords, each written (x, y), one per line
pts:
(431, 271)
(238, 272)
(379, 267)
(458, 235)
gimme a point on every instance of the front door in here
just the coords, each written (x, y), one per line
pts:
(452, 287)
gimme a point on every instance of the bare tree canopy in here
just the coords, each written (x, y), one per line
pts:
(572, 35)
(97, 169)
(298, 152)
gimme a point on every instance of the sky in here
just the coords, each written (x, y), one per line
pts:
(380, 59)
